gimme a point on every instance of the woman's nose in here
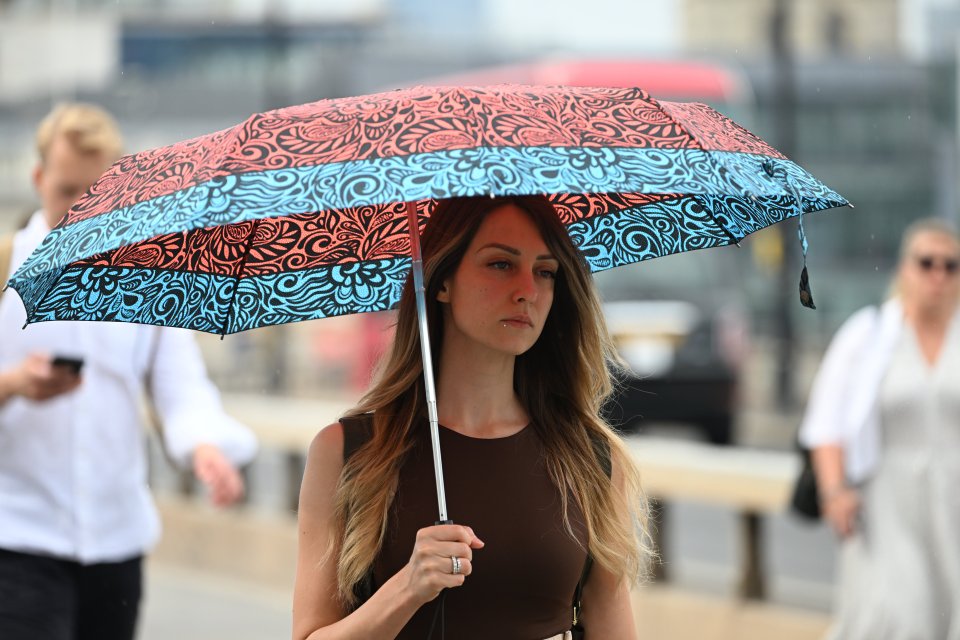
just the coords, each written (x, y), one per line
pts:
(526, 288)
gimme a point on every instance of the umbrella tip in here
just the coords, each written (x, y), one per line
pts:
(806, 295)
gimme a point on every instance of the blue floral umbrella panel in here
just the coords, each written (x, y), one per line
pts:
(300, 213)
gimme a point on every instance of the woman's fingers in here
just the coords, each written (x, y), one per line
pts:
(432, 563)
(466, 566)
(439, 558)
(842, 511)
(476, 543)
(447, 541)
(450, 533)
(445, 564)
(447, 549)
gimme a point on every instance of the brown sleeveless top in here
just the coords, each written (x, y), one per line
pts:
(524, 579)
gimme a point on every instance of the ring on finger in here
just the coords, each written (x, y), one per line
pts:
(455, 563)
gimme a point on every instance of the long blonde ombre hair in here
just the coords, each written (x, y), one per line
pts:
(561, 381)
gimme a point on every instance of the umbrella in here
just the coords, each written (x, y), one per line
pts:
(314, 210)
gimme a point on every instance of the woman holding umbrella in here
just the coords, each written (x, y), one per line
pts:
(537, 479)
(293, 215)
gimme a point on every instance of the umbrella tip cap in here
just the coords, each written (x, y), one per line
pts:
(806, 294)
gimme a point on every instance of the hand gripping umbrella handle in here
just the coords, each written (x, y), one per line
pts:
(428, 383)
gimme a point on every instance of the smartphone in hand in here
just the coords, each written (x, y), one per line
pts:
(71, 363)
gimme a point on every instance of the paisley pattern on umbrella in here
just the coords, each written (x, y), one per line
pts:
(412, 122)
(298, 213)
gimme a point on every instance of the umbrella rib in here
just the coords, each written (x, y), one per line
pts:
(236, 288)
(710, 159)
(476, 121)
(733, 238)
(39, 304)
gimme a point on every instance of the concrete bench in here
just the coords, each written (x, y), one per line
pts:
(752, 483)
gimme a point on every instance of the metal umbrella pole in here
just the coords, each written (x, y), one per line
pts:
(428, 382)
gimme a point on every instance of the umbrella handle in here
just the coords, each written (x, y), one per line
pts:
(428, 383)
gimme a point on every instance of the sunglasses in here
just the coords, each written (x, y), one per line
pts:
(929, 263)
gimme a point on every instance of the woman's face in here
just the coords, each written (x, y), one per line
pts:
(502, 290)
(930, 272)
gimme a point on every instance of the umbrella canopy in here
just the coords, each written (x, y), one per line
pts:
(300, 213)
(315, 210)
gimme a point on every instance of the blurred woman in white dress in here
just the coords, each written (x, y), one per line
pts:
(883, 423)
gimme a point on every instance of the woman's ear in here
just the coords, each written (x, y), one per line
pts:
(443, 294)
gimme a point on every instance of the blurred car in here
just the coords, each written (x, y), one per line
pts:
(681, 326)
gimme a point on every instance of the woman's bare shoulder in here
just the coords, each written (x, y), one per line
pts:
(330, 436)
(326, 448)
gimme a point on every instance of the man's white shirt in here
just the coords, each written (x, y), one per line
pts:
(73, 470)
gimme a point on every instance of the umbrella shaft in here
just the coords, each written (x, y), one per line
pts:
(417, 267)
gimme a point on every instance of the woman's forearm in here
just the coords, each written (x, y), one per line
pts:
(839, 503)
(379, 618)
(828, 467)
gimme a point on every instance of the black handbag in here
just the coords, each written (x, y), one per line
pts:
(804, 501)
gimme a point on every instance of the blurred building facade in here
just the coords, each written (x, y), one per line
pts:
(874, 84)
(822, 28)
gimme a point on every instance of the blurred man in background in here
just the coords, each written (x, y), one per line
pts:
(76, 515)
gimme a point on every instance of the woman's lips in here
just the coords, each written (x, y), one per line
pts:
(518, 321)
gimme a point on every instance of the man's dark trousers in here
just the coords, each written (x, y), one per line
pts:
(54, 599)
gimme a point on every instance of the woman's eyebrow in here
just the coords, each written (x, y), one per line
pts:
(512, 250)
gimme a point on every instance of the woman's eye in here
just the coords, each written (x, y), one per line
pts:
(548, 274)
(500, 265)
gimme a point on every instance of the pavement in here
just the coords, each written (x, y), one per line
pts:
(188, 604)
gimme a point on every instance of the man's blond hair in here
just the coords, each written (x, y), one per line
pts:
(87, 127)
